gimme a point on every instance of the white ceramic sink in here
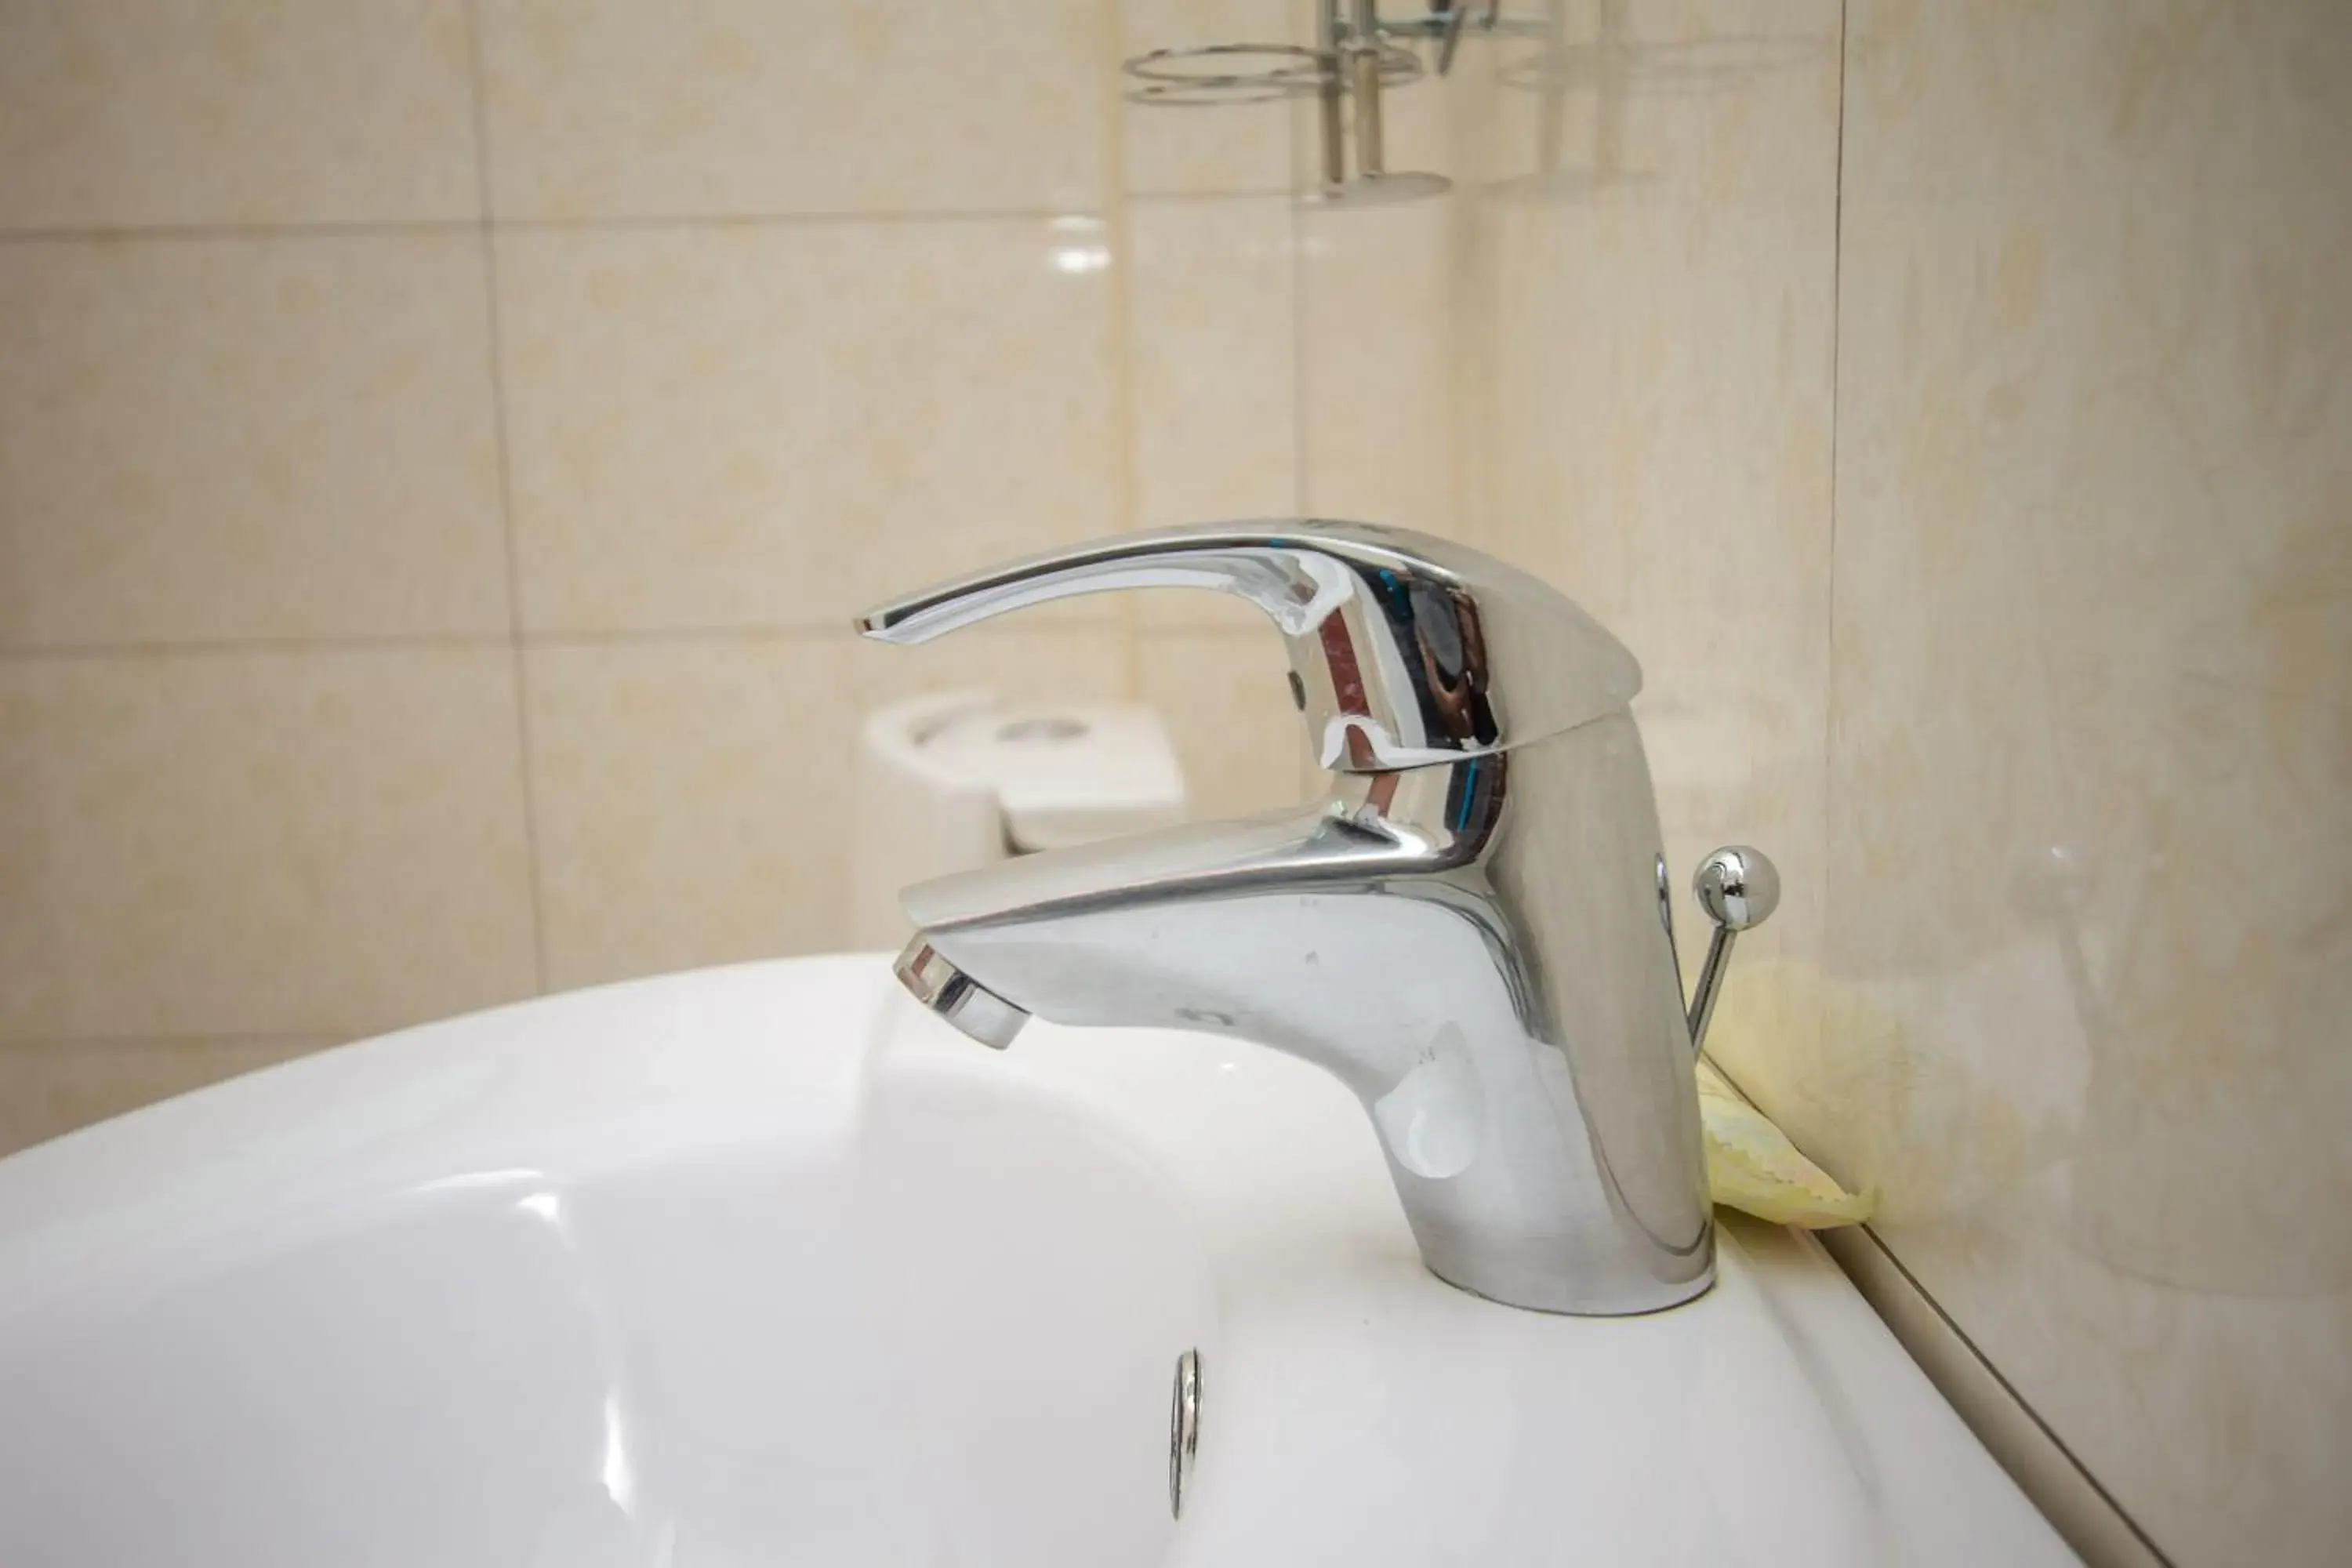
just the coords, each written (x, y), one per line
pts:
(763, 1265)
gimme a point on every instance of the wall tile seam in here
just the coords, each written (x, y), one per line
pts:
(249, 647)
(395, 228)
(1065, 625)
(34, 1045)
(1208, 195)
(502, 446)
(1119, 233)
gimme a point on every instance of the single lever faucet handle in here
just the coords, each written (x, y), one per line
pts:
(1405, 650)
(1738, 886)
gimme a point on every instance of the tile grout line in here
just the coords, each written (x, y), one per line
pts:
(1311, 778)
(231, 647)
(1181, 198)
(1829, 599)
(814, 217)
(1301, 486)
(1119, 238)
(329, 228)
(478, 642)
(1837, 323)
(833, 628)
(534, 873)
(380, 229)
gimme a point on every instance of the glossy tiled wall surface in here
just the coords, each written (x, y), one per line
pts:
(1952, 404)
(2096, 399)
(441, 443)
(1646, 234)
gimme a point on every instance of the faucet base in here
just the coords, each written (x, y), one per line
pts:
(1512, 1283)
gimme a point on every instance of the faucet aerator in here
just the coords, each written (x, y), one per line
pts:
(957, 997)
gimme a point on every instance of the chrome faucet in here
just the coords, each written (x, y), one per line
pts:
(1471, 932)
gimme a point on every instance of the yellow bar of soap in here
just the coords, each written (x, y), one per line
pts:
(1751, 1166)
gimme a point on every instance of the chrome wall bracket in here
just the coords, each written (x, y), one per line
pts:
(1356, 58)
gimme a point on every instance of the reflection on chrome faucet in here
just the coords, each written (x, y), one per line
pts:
(1466, 932)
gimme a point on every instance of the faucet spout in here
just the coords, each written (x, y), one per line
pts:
(1521, 1054)
(956, 997)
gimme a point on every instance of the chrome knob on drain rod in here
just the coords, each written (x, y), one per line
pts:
(1738, 886)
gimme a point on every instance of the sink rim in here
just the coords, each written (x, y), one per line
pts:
(1315, 1273)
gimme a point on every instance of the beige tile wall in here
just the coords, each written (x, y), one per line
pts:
(441, 445)
(1650, 267)
(2095, 389)
(1952, 406)
(1213, 356)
